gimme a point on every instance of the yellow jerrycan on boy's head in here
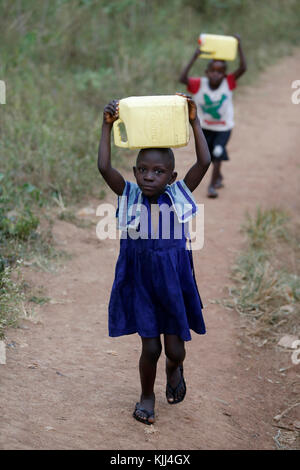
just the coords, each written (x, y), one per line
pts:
(152, 121)
(214, 46)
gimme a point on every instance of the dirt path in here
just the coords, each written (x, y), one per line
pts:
(67, 385)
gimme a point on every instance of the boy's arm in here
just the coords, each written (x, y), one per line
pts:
(243, 64)
(112, 177)
(184, 78)
(198, 170)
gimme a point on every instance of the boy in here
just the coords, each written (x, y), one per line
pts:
(213, 96)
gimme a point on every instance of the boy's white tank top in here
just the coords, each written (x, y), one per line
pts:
(215, 107)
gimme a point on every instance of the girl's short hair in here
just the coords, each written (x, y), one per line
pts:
(167, 154)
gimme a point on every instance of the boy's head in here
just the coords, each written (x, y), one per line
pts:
(154, 170)
(216, 71)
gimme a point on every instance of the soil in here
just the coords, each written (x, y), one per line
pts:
(68, 385)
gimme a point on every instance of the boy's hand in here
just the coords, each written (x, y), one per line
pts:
(243, 65)
(197, 52)
(111, 112)
(192, 106)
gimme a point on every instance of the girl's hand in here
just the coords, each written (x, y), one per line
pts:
(111, 112)
(192, 106)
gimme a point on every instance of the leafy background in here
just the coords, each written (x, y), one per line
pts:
(63, 60)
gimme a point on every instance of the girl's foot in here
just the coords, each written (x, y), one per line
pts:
(144, 410)
(176, 387)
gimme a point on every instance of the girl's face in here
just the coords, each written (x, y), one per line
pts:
(153, 172)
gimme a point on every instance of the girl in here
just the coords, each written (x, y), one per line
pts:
(155, 291)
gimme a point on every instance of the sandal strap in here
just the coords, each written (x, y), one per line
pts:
(148, 414)
(173, 391)
(138, 407)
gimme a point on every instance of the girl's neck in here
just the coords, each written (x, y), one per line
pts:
(153, 199)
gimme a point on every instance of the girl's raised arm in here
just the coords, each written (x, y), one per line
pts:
(112, 177)
(198, 170)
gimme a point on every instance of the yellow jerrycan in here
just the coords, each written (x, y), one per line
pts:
(152, 121)
(214, 46)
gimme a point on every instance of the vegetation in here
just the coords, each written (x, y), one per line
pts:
(267, 283)
(63, 60)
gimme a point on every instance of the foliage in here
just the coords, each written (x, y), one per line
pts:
(267, 283)
(63, 60)
(11, 296)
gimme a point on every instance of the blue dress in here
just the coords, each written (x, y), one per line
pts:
(154, 290)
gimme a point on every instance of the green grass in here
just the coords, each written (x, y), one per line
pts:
(25, 239)
(265, 227)
(266, 288)
(11, 297)
(63, 60)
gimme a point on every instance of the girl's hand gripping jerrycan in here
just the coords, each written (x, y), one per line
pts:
(153, 121)
(213, 46)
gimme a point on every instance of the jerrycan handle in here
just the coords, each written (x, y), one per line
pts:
(117, 135)
(208, 53)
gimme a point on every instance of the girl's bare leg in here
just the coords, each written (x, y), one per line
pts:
(151, 350)
(175, 354)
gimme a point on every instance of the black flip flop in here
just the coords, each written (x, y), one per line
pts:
(148, 414)
(173, 391)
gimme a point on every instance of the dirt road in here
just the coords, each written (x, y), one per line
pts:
(67, 385)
